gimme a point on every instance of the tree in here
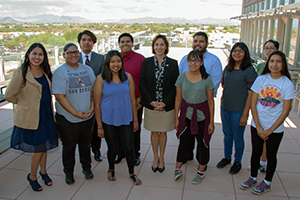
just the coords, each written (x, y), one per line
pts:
(71, 36)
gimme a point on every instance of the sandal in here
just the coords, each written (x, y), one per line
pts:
(111, 175)
(46, 178)
(34, 184)
(135, 180)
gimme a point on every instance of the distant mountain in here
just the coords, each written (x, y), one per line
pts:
(177, 20)
(50, 18)
(8, 20)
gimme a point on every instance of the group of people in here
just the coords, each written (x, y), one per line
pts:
(104, 97)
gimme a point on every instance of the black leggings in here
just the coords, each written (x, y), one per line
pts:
(115, 135)
(272, 148)
(187, 138)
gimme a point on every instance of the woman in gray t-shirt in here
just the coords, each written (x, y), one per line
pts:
(238, 76)
(195, 99)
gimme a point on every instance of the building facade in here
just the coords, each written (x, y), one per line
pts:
(272, 19)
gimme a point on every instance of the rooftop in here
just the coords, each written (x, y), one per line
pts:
(218, 183)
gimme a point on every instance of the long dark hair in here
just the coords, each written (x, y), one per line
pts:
(246, 60)
(284, 70)
(45, 64)
(196, 54)
(107, 75)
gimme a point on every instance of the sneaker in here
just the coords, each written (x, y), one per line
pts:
(261, 169)
(235, 168)
(178, 174)
(88, 174)
(118, 159)
(198, 179)
(69, 179)
(261, 188)
(248, 184)
(223, 163)
(137, 162)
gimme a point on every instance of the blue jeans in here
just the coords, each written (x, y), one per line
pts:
(233, 132)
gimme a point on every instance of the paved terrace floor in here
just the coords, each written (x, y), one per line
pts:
(217, 185)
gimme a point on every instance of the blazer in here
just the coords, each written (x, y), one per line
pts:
(96, 62)
(148, 82)
(27, 99)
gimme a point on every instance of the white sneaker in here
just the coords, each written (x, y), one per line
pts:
(178, 174)
(261, 169)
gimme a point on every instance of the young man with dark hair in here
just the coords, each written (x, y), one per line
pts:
(132, 63)
(86, 40)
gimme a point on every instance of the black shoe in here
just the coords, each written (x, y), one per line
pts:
(235, 168)
(69, 179)
(137, 162)
(97, 156)
(118, 159)
(154, 169)
(88, 174)
(34, 184)
(161, 169)
(223, 163)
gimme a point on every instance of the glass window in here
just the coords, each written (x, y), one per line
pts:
(268, 4)
(262, 5)
(275, 29)
(293, 41)
(274, 3)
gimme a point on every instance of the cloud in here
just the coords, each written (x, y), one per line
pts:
(120, 9)
(228, 4)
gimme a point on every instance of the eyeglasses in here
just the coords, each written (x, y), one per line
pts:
(196, 61)
(70, 53)
(238, 50)
(269, 49)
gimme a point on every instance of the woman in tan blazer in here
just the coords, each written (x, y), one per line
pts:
(34, 128)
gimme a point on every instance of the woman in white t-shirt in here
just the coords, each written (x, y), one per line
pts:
(273, 93)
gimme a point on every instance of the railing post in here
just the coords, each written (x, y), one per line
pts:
(56, 56)
(96, 46)
(109, 41)
(2, 71)
(103, 45)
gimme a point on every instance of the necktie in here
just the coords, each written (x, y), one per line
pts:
(87, 61)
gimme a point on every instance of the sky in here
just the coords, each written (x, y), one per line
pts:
(122, 9)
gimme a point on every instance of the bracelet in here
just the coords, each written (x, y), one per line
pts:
(100, 128)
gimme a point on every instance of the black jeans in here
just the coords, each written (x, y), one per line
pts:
(136, 137)
(272, 148)
(96, 141)
(187, 138)
(119, 134)
(71, 135)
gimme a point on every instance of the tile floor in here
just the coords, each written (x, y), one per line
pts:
(218, 183)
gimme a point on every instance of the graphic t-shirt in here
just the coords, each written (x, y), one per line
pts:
(271, 95)
(76, 84)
